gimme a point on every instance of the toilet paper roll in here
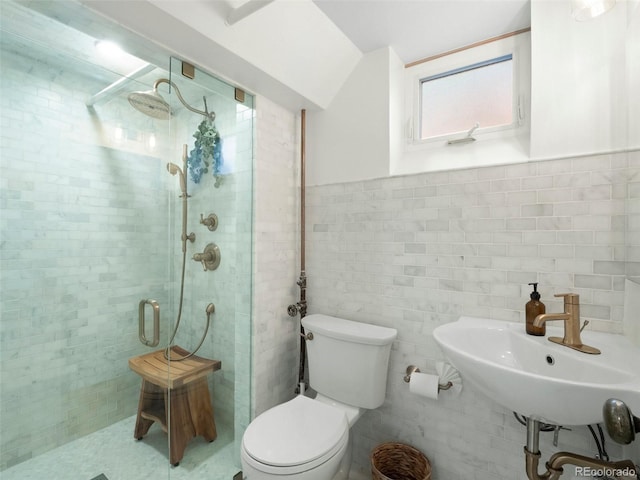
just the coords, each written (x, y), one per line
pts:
(424, 384)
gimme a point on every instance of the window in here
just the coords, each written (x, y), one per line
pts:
(457, 100)
(488, 85)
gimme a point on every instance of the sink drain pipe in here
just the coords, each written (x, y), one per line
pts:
(559, 459)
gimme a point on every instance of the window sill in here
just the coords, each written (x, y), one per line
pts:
(484, 152)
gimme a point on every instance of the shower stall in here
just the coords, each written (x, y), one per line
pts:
(95, 200)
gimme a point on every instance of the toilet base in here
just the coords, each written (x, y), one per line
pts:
(345, 464)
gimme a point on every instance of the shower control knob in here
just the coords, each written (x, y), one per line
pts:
(211, 222)
(210, 258)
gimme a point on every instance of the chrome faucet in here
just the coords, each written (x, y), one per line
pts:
(571, 318)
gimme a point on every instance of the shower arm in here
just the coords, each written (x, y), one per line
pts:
(205, 113)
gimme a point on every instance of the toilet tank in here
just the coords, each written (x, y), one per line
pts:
(348, 361)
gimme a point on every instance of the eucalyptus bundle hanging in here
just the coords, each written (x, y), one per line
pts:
(206, 153)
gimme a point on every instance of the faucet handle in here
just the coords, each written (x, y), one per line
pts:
(572, 298)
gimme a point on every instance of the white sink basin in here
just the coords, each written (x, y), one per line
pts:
(540, 379)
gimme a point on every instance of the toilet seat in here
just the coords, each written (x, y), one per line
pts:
(295, 436)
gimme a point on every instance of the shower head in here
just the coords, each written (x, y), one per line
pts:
(173, 169)
(150, 103)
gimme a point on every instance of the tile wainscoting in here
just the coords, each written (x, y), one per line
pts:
(414, 252)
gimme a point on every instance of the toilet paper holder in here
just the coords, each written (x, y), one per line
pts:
(411, 369)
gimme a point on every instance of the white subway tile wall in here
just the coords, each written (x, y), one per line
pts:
(418, 251)
(84, 229)
(276, 256)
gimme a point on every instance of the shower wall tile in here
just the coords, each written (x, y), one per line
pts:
(418, 251)
(82, 221)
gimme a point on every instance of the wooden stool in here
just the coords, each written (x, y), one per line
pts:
(177, 395)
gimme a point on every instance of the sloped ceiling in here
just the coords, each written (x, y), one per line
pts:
(297, 52)
(288, 50)
(418, 29)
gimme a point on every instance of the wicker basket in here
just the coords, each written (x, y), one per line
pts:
(397, 461)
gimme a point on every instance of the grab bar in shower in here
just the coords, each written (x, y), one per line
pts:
(156, 323)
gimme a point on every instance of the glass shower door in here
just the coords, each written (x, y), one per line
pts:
(211, 219)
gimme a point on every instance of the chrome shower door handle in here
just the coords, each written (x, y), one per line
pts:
(156, 323)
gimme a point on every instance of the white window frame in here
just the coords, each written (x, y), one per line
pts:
(519, 46)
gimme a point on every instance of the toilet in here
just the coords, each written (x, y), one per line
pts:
(308, 438)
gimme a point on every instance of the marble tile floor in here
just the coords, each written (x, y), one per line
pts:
(114, 452)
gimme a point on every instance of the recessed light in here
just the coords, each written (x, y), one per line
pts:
(109, 48)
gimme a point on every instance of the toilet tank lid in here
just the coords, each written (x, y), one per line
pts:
(349, 330)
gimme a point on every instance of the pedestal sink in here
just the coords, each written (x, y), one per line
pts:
(538, 378)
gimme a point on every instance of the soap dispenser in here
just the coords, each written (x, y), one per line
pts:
(534, 308)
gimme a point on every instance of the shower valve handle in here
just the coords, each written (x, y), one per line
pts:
(210, 258)
(204, 258)
(211, 222)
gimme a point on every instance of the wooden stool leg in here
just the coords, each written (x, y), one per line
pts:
(180, 426)
(201, 411)
(150, 396)
(191, 414)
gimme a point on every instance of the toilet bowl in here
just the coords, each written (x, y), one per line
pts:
(302, 439)
(308, 439)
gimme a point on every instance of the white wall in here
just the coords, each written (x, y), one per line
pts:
(633, 74)
(352, 138)
(579, 82)
(581, 94)
(351, 141)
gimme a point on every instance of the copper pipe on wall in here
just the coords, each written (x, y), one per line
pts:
(302, 282)
(303, 135)
(301, 306)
